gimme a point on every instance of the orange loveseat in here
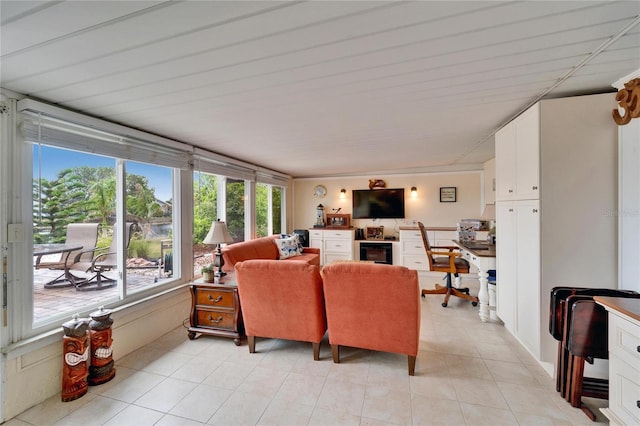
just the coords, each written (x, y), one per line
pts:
(263, 248)
(372, 306)
(282, 300)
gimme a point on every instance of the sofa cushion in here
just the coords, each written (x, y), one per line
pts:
(307, 256)
(262, 248)
(288, 246)
(259, 248)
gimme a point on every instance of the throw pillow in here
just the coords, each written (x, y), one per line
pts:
(297, 238)
(288, 247)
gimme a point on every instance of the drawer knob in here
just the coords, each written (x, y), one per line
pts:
(638, 349)
(638, 403)
(216, 300)
(215, 320)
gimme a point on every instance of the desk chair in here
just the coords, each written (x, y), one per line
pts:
(448, 261)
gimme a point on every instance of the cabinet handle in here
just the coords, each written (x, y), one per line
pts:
(216, 300)
(511, 210)
(535, 188)
(638, 403)
(638, 349)
(510, 191)
(215, 320)
(534, 210)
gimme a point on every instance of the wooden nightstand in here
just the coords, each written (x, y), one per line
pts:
(215, 310)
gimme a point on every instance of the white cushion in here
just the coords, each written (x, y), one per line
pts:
(289, 246)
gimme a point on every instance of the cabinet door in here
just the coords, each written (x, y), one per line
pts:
(315, 238)
(527, 164)
(506, 163)
(506, 249)
(528, 270)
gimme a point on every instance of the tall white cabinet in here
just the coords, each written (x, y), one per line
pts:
(556, 187)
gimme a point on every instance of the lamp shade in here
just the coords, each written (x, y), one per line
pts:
(489, 212)
(218, 234)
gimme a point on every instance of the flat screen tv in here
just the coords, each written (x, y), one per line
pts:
(378, 203)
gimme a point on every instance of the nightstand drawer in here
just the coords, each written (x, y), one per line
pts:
(217, 297)
(215, 319)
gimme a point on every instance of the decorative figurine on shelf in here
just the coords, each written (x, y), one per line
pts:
(377, 184)
(102, 367)
(75, 351)
(319, 216)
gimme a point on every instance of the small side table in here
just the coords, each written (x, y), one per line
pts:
(215, 309)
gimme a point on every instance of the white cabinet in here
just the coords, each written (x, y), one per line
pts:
(518, 158)
(518, 260)
(334, 244)
(414, 255)
(624, 364)
(506, 263)
(552, 228)
(505, 163)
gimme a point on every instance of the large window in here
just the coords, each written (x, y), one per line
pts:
(104, 210)
(268, 209)
(75, 217)
(235, 208)
(205, 211)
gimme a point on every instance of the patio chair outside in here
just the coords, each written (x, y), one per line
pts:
(102, 262)
(85, 234)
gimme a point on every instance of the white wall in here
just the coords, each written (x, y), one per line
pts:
(628, 212)
(35, 375)
(578, 181)
(426, 207)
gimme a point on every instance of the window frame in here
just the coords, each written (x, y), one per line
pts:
(20, 333)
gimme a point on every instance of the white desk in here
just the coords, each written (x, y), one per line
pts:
(483, 256)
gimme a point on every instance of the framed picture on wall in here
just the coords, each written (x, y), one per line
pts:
(448, 194)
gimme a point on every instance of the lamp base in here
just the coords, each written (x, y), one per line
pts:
(218, 262)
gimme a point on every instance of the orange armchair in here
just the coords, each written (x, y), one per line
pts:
(373, 306)
(282, 300)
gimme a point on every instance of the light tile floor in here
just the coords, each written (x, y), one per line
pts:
(467, 373)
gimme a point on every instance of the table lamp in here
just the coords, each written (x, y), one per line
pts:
(489, 215)
(218, 234)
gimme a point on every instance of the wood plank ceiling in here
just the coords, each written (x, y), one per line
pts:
(318, 88)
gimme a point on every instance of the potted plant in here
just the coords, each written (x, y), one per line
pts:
(207, 273)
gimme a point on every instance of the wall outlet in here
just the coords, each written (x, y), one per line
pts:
(14, 233)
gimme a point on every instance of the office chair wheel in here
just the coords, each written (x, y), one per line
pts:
(474, 303)
(423, 296)
(444, 304)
